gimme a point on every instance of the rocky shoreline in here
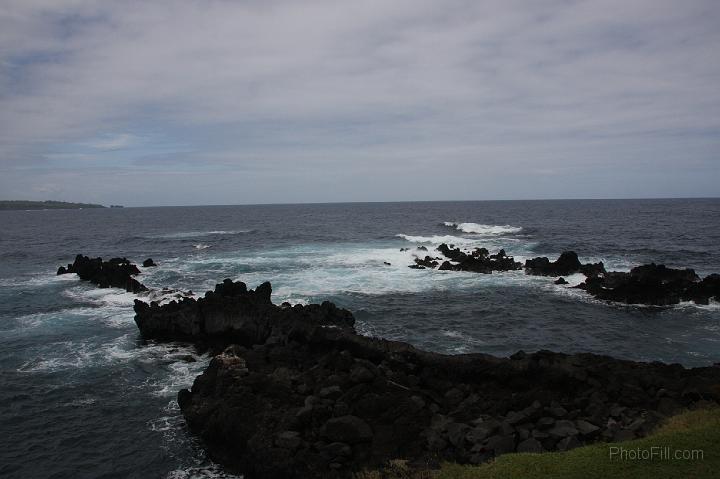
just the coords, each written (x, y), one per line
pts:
(296, 392)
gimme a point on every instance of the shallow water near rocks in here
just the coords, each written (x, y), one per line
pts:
(83, 396)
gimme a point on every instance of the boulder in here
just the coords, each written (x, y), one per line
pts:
(545, 422)
(530, 445)
(446, 266)
(501, 444)
(570, 442)
(347, 429)
(592, 269)
(563, 428)
(586, 429)
(288, 440)
(568, 263)
(427, 262)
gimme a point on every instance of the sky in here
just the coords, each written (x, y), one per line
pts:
(176, 102)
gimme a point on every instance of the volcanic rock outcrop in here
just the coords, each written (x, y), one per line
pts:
(567, 264)
(233, 314)
(296, 392)
(479, 260)
(653, 285)
(117, 272)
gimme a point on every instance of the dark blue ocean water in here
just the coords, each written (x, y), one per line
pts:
(82, 396)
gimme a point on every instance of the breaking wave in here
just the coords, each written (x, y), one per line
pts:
(438, 239)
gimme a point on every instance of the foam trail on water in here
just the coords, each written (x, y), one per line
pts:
(39, 280)
(482, 229)
(199, 234)
(463, 342)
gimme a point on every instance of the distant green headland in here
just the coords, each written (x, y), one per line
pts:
(44, 205)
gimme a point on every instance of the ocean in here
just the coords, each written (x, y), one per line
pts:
(84, 397)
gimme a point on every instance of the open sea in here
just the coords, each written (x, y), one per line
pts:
(82, 396)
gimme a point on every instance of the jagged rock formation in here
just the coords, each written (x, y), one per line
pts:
(567, 264)
(479, 260)
(427, 262)
(117, 272)
(233, 314)
(654, 285)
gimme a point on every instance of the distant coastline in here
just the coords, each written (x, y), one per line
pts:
(44, 205)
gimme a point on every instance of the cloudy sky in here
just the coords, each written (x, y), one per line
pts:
(229, 102)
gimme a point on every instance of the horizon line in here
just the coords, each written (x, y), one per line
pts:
(427, 201)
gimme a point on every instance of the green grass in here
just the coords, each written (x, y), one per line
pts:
(695, 430)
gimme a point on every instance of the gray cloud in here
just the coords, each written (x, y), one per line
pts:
(361, 100)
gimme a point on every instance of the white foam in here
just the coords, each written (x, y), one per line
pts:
(211, 471)
(39, 280)
(159, 296)
(180, 375)
(573, 280)
(482, 229)
(172, 430)
(201, 246)
(82, 402)
(313, 272)
(35, 320)
(439, 239)
(451, 333)
(112, 306)
(174, 372)
(712, 306)
(66, 355)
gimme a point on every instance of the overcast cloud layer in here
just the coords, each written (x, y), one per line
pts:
(226, 102)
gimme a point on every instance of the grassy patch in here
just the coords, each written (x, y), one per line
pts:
(690, 431)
